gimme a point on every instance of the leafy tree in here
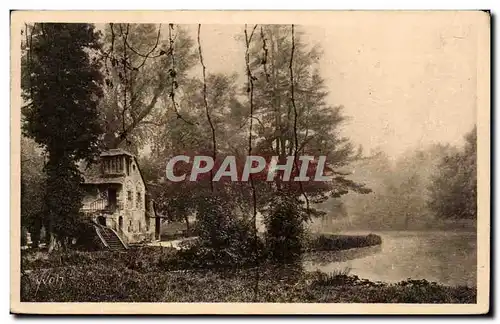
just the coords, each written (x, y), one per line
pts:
(32, 188)
(62, 85)
(145, 64)
(176, 137)
(317, 124)
(335, 213)
(454, 187)
(306, 125)
(293, 118)
(371, 210)
(285, 228)
(400, 189)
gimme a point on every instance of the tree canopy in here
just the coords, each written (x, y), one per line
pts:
(146, 88)
(62, 86)
(454, 186)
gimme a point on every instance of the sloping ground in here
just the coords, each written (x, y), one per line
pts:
(104, 283)
(146, 275)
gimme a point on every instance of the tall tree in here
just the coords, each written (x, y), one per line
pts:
(454, 187)
(400, 189)
(144, 66)
(62, 86)
(316, 123)
(176, 137)
(292, 112)
(289, 116)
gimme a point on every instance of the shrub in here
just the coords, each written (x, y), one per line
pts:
(87, 239)
(284, 229)
(215, 224)
(224, 240)
(200, 256)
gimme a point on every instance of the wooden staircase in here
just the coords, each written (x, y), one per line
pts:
(110, 238)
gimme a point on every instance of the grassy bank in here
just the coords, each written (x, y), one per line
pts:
(342, 242)
(147, 275)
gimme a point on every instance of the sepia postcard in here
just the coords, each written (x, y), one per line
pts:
(250, 162)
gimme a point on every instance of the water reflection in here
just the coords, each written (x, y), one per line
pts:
(445, 257)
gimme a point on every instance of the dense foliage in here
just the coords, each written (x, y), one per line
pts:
(284, 228)
(145, 89)
(61, 84)
(32, 190)
(454, 187)
(342, 242)
(311, 127)
(430, 187)
(143, 67)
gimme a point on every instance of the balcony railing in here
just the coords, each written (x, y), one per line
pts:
(100, 205)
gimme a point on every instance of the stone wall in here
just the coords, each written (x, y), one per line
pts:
(137, 225)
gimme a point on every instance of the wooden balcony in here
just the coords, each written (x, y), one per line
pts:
(100, 206)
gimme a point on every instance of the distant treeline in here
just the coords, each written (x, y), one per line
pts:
(430, 188)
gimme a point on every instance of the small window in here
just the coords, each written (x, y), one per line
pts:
(115, 165)
(129, 199)
(138, 201)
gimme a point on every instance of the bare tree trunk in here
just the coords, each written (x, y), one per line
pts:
(54, 243)
(188, 230)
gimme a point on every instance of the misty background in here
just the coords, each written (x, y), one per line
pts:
(408, 90)
(389, 99)
(404, 81)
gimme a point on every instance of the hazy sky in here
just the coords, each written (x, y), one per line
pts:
(405, 79)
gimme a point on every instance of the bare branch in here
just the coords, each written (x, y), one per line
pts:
(214, 143)
(249, 39)
(251, 117)
(111, 25)
(292, 91)
(264, 48)
(250, 88)
(147, 55)
(141, 115)
(173, 75)
(123, 78)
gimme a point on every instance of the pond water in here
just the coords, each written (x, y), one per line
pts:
(445, 257)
